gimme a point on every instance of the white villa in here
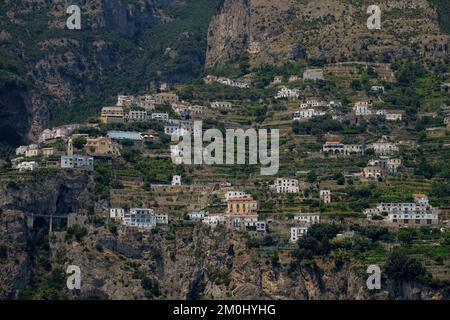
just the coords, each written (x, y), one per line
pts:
(284, 185)
(362, 108)
(197, 215)
(307, 114)
(144, 218)
(313, 74)
(116, 213)
(307, 218)
(383, 148)
(285, 93)
(160, 116)
(325, 196)
(297, 233)
(417, 213)
(77, 161)
(236, 194)
(336, 147)
(176, 180)
(124, 101)
(214, 220)
(137, 116)
(393, 115)
(221, 105)
(27, 166)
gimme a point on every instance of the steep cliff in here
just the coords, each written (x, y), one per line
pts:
(327, 30)
(121, 48)
(179, 261)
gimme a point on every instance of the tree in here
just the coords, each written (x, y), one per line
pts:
(406, 235)
(311, 176)
(79, 142)
(402, 268)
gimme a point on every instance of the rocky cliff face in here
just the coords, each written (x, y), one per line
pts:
(114, 52)
(180, 261)
(282, 30)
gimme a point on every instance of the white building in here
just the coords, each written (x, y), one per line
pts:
(221, 105)
(140, 218)
(392, 115)
(297, 233)
(176, 180)
(325, 196)
(22, 150)
(196, 216)
(336, 147)
(284, 185)
(362, 108)
(307, 114)
(236, 194)
(417, 213)
(377, 89)
(389, 165)
(160, 116)
(286, 93)
(307, 218)
(214, 220)
(124, 101)
(116, 213)
(383, 148)
(45, 135)
(312, 103)
(27, 166)
(137, 115)
(77, 161)
(313, 74)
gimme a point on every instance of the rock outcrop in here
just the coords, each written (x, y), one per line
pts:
(274, 32)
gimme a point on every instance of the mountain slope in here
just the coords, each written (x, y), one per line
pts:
(325, 30)
(123, 46)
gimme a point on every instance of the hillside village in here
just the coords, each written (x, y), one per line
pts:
(163, 114)
(350, 156)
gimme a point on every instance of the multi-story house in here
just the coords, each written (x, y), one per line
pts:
(242, 206)
(325, 196)
(101, 146)
(221, 105)
(394, 115)
(307, 218)
(137, 115)
(77, 161)
(27, 166)
(176, 180)
(384, 148)
(307, 114)
(166, 98)
(362, 108)
(336, 147)
(160, 116)
(313, 74)
(112, 115)
(285, 93)
(284, 185)
(124, 101)
(236, 194)
(297, 233)
(417, 213)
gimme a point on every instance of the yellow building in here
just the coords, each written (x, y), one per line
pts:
(242, 206)
(101, 146)
(112, 115)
